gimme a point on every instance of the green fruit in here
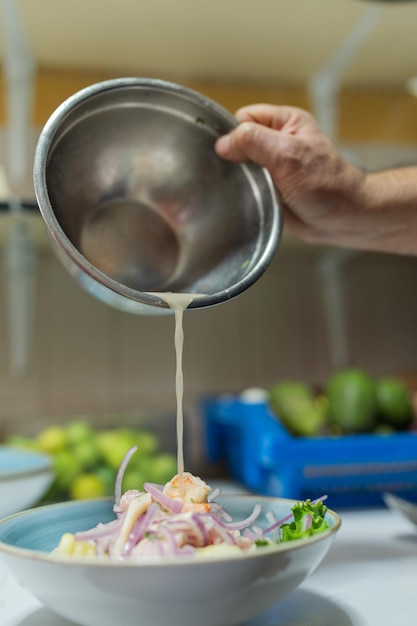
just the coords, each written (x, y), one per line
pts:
(113, 446)
(352, 400)
(108, 476)
(133, 479)
(312, 423)
(161, 468)
(53, 494)
(394, 402)
(146, 442)
(286, 396)
(384, 429)
(79, 430)
(104, 440)
(295, 405)
(52, 439)
(67, 467)
(87, 453)
(86, 486)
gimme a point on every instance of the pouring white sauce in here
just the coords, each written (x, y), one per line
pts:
(178, 302)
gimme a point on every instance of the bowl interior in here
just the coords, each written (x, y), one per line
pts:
(135, 185)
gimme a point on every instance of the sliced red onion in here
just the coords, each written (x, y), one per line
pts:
(171, 504)
(120, 474)
(249, 534)
(307, 522)
(246, 522)
(272, 519)
(187, 550)
(202, 530)
(288, 517)
(139, 529)
(214, 494)
(192, 530)
(278, 523)
(217, 510)
(101, 530)
(321, 499)
(258, 533)
(169, 543)
(219, 529)
(156, 485)
(148, 547)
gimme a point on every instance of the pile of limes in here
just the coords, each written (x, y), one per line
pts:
(86, 460)
(351, 401)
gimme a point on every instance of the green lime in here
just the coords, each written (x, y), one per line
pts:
(54, 494)
(113, 446)
(286, 396)
(86, 486)
(104, 440)
(134, 479)
(384, 429)
(67, 467)
(79, 430)
(394, 402)
(108, 476)
(87, 453)
(52, 438)
(352, 400)
(146, 442)
(295, 405)
(161, 468)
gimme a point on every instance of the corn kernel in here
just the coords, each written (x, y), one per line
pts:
(70, 547)
(66, 545)
(83, 548)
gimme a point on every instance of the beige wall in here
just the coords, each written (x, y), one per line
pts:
(89, 359)
(365, 114)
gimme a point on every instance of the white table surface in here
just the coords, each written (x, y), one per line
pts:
(369, 578)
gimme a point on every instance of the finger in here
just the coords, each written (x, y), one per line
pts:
(273, 116)
(252, 142)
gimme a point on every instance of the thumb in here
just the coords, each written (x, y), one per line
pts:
(252, 142)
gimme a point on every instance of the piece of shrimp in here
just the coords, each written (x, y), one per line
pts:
(191, 490)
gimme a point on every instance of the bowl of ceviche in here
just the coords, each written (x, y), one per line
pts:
(25, 476)
(179, 553)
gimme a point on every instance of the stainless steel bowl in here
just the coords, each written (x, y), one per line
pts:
(136, 200)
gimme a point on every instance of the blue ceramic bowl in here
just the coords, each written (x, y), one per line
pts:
(181, 591)
(25, 476)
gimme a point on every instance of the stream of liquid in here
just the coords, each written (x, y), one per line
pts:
(178, 302)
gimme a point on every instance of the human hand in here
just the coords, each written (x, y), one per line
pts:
(320, 189)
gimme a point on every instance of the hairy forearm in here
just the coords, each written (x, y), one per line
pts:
(327, 200)
(375, 212)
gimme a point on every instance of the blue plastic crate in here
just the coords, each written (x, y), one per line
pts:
(352, 470)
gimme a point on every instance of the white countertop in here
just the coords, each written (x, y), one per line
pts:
(369, 578)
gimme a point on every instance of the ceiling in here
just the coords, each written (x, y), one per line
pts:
(351, 42)
(267, 40)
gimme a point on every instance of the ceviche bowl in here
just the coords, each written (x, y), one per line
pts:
(223, 588)
(25, 476)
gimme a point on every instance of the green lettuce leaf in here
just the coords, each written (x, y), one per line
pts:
(308, 520)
